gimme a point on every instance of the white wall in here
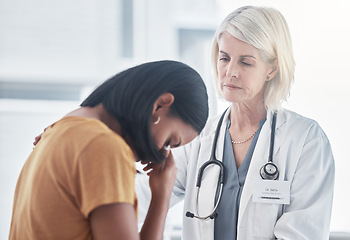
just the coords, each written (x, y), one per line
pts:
(57, 40)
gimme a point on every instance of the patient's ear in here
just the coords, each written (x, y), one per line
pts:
(164, 100)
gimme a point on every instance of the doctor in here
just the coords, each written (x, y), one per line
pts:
(277, 166)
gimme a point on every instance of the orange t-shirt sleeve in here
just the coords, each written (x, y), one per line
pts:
(105, 173)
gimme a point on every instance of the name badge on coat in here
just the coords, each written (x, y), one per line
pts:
(271, 191)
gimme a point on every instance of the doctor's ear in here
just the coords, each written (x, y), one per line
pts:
(163, 101)
(273, 71)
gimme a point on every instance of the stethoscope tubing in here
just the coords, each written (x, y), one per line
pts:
(202, 168)
(199, 182)
(213, 160)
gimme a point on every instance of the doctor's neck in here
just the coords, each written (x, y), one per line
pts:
(243, 114)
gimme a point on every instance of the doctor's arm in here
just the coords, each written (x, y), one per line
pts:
(309, 212)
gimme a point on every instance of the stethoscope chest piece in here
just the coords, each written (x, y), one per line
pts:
(269, 171)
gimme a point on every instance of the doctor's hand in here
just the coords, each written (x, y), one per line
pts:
(37, 138)
(162, 177)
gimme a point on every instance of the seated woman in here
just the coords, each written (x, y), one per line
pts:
(78, 183)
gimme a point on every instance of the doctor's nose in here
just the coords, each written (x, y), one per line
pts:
(232, 71)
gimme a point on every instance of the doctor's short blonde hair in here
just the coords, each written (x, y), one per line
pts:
(266, 29)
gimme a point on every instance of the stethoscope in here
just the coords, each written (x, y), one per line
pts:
(268, 171)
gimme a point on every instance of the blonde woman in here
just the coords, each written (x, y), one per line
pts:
(277, 168)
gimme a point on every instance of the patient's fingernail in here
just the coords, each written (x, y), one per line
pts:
(166, 150)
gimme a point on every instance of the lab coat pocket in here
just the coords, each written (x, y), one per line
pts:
(265, 217)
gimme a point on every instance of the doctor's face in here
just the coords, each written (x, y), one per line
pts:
(242, 71)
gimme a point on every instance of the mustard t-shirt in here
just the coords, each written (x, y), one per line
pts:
(78, 165)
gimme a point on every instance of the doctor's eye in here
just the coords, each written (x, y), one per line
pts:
(247, 64)
(224, 59)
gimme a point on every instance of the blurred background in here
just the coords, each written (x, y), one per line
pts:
(53, 53)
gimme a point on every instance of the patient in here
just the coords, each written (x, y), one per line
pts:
(78, 182)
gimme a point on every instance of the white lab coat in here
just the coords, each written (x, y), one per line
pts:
(304, 157)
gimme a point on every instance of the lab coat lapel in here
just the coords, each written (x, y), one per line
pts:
(210, 179)
(259, 158)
